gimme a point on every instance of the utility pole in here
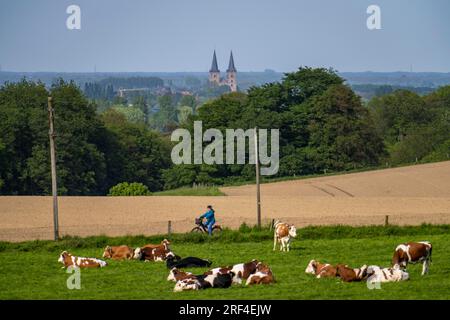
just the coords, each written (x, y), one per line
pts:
(52, 136)
(258, 193)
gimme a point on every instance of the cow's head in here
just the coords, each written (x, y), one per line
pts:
(292, 231)
(172, 274)
(63, 256)
(137, 254)
(311, 268)
(107, 253)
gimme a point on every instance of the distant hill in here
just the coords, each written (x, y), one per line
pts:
(246, 79)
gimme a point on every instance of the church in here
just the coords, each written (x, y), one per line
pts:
(230, 80)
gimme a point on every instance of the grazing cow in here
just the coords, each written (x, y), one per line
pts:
(244, 270)
(283, 233)
(205, 281)
(176, 275)
(80, 262)
(188, 262)
(321, 270)
(263, 275)
(349, 274)
(118, 252)
(413, 252)
(377, 274)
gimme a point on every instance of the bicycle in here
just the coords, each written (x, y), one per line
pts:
(201, 228)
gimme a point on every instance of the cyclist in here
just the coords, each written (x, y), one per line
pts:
(210, 219)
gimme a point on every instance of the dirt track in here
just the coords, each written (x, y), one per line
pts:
(409, 195)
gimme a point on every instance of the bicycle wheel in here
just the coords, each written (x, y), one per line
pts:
(197, 230)
(216, 230)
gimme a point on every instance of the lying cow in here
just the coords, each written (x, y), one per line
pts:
(219, 270)
(413, 252)
(283, 233)
(321, 270)
(263, 275)
(377, 274)
(188, 262)
(80, 262)
(164, 244)
(118, 253)
(156, 254)
(176, 275)
(205, 281)
(243, 270)
(349, 274)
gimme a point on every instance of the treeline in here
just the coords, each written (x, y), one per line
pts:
(94, 152)
(324, 127)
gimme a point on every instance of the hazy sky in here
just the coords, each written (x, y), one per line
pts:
(180, 35)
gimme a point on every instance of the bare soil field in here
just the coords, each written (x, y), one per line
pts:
(409, 195)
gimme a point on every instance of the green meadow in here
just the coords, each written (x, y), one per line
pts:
(30, 270)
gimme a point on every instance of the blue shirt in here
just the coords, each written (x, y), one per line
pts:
(209, 215)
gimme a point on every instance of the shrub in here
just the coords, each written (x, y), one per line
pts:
(129, 189)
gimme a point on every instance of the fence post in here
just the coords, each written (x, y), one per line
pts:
(169, 227)
(386, 220)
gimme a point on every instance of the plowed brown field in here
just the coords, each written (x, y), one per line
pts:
(409, 195)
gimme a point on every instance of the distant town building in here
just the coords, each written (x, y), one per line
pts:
(214, 74)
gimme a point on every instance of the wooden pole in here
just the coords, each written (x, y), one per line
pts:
(169, 227)
(386, 220)
(52, 136)
(258, 191)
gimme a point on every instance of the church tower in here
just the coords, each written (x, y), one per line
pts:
(214, 72)
(231, 74)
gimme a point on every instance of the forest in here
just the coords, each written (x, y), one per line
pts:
(324, 127)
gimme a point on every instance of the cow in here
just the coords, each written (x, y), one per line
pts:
(283, 234)
(156, 254)
(205, 281)
(165, 243)
(80, 262)
(263, 275)
(176, 275)
(349, 274)
(377, 274)
(243, 270)
(321, 270)
(188, 262)
(118, 253)
(219, 270)
(413, 252)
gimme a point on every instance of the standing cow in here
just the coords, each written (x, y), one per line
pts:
(413, 252)
(283, 234)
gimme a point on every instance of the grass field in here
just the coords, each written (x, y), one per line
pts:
(30, 270)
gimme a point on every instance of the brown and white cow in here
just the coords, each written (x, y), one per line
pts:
(378, 275)
(348, 274)
(283, 233)
(219, 270)
(321, 270)
(263, 275)
(118, 252)
(156, 254)
(176, 275)
(244, 270)
(164, 244)
(80, 262)
(413, 252)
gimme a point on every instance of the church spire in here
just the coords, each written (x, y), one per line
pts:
(214, 67)
(231, 67)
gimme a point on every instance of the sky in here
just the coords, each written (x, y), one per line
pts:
(180, 35)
